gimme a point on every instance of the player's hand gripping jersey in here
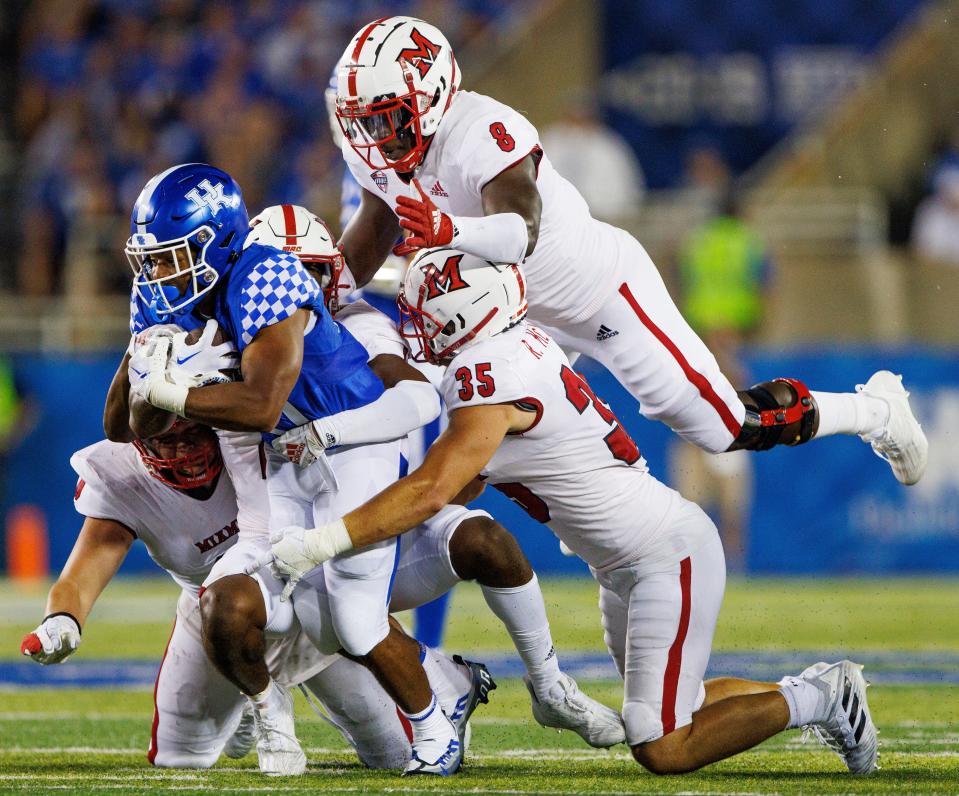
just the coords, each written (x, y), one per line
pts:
(576, 468)
(576, 263)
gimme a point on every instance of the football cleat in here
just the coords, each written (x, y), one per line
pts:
(244, 736)
(847, 726)
(482, 684)
(901, 442)
(565, 707)
(440, 756)
(276, 744)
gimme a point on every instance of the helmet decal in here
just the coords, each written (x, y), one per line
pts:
(212, 197)
(440, 281)
(423, 55)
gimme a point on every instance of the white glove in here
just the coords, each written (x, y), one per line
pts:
(202, 362)
(142, 346)
(158, 388)
(54, 641)
(305, 444)
(297, 551)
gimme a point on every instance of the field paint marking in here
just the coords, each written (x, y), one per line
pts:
(550, 754)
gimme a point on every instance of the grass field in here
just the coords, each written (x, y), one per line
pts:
(94, 741)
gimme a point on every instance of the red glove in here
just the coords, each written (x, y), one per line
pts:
(428, 225)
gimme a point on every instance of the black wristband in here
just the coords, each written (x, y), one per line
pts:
(64, 613)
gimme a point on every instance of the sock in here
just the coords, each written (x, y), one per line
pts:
(430, 723)
(850, 413)
(448, 679)
(262, 699)
(522, 610)
(803, 699)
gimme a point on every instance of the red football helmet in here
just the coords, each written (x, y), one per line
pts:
(185, 457)
(450, 299)
(396, 80)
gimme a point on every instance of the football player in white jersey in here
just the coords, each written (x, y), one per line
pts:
(457, 544)
(170, 493)
(523, 419)
(460, 169)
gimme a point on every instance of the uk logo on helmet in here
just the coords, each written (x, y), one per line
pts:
(440, 281)
(212, 196)
(423, 55)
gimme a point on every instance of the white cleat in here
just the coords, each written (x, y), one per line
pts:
(241, 742)
(901, 442)
(441, 756)
(276, 745)
(847, 728)
(565, 707)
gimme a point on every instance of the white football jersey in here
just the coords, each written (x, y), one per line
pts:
(576, 264)
(372, 329)
(576, 469)
(115, 485)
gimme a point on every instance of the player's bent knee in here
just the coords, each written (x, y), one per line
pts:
(229, 603)
(665, 755)
(778, 412)
(482, 549)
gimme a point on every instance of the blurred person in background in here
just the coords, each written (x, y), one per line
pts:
(935, 230)
(723, 273)
(597, 160)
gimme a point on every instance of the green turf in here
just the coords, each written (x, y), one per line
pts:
(55, 741)
(767, 614)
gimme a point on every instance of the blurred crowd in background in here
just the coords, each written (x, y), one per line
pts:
(110, 92)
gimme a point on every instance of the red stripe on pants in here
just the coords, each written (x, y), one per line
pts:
(152, 753)
(675, 660)
(698, 380)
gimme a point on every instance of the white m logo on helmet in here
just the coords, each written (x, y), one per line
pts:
(212, 196)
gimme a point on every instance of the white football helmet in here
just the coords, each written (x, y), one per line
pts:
(450, 299)
(397, 78)
(295, 229)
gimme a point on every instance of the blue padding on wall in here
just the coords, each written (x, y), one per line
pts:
(827, 507)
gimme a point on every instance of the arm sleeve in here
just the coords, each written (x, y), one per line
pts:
(274, 290)
(398, 411)
(501, 238)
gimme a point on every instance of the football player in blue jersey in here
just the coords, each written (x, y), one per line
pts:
(192, 263)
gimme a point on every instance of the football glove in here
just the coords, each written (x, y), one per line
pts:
(158, 388)
(200, 363)
(297, 551)
(428, 225)
(141, 349)
(55, 640)
(305, 444)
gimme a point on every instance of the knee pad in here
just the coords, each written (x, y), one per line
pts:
(778, 412)
(182, 758)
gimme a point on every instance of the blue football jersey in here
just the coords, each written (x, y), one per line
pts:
(266, 286)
